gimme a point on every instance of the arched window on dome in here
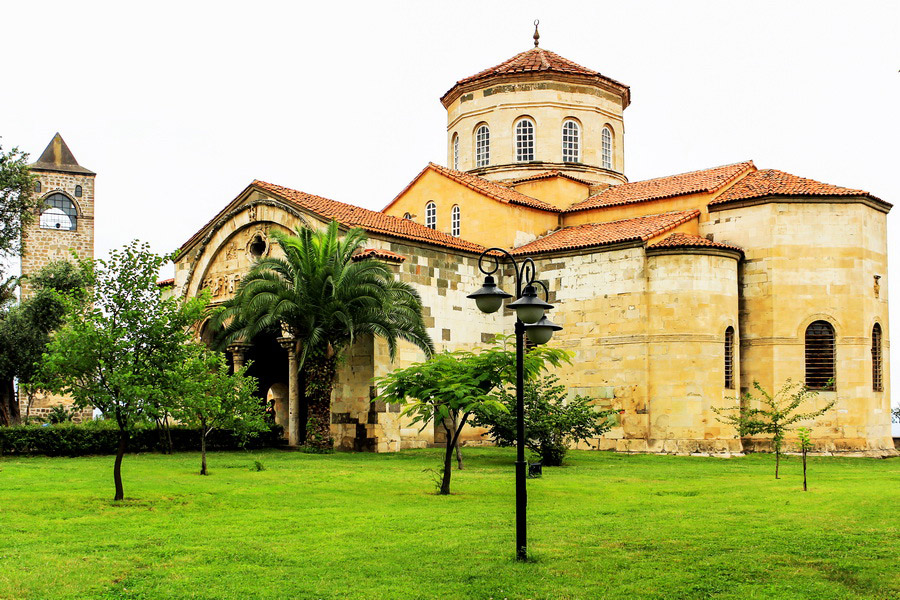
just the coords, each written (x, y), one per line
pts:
(571, 141)
(59, 213)
(456, 152)
(819, 351)
(729, 358)
(482, 146)
(877, 374)
(454, 221)
(606, 148)
(524, 140)
(431, 215)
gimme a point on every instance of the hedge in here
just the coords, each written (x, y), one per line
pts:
(102, 437)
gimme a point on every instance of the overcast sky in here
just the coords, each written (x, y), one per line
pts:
(179, 105)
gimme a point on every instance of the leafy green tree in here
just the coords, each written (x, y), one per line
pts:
(773, 415)
(552, 422)
(211, 397)
(805, 446)
(325, 299)
(18, 203)
(117, 351)
(452, 386)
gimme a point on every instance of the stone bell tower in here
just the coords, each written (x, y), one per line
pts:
(66, 214)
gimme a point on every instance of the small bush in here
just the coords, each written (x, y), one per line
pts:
(258, 466)
(102, 437)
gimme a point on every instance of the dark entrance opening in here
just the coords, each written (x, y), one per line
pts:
(270, 367)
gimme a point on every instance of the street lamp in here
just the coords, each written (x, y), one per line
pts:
(530, 318)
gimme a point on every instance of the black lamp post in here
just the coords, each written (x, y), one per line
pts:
(530, 319)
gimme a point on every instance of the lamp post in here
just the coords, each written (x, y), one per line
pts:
(530, 320)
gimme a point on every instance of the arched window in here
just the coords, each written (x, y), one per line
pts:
(606, 148)
(524, 140)
(877, 377)
(454, 221)
(820, 356)
(729, 358)
(482, 146)
(431, 215)
(571, 141)
(78, 191)
(37, 187)
(456, 152)
(407, 216)
(59, 213)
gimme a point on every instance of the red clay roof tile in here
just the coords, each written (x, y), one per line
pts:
(685, 240)
(770, 182)
(549, 175)
(601, 234)
(378, 253)
(706, 180)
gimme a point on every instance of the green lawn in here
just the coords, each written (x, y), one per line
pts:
(370, 526)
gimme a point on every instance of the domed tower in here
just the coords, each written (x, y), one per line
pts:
(536, 112)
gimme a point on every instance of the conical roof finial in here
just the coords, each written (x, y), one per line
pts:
(537, 36)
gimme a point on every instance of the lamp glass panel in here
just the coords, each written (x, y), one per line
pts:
(529, 314)
(539, 335)
(488, 304)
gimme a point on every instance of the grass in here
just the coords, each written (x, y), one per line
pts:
(369, 526)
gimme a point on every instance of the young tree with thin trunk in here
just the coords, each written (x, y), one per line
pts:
(450, 387)
(805, 446)
(773, 415)
(117, 351)
(211, 397)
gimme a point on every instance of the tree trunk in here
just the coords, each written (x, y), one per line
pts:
(320, 370)
(448, 459)
(777, 461)
(202, 449)
(459, 460)
(9, 404)
(117, 467)
(804, 469)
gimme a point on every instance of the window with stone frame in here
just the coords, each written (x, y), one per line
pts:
(877, 373)
(431, 215)
(454, 221)
(59, 213)
(456, 152)
(819, 350)
(482, 146)
(606, 148)
(524, 140)
(571, 141)
(729, 358)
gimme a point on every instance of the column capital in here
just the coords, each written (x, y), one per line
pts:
(288, 342)
(239, 347)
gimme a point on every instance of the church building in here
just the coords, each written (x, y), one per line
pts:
(675, 294)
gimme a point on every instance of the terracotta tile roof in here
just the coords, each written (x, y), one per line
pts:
(707, 180)
(482, 186)
(769, 182)
(536, 60)
(166, 282)
(549, 175)
(684, 240)
(373, 222)
(601, 234)
(378, 253)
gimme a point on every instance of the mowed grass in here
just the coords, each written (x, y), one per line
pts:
(370, 526)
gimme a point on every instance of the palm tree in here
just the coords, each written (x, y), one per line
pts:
(325, 299)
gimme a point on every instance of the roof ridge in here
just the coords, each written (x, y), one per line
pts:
(498, 189)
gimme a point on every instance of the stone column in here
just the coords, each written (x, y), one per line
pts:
(289, 343)
(239, 353)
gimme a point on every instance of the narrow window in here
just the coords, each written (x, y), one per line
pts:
(524, 140)
(454, 221)
(37, 187)
(571, 141)
(877, 378)
(455, 152)
(729, 358)
(482, 146)
(606, 148)
(820, 356)
(78, 191)
(431, 215)
(407, 216)
(59, 213)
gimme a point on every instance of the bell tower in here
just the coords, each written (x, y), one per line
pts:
(65, 220)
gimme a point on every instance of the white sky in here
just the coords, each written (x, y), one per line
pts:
(179, 105)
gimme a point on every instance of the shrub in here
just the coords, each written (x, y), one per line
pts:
(552, 423)
(102, 437)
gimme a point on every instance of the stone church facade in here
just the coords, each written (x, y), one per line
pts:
(675, 293)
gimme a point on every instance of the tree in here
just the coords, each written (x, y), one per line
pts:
(326, 300)
(211, 397)
(552, 423)
(805, 446)
(17, 200)
(451, 386)
(117, 351)
(773, 415)
(25, 329)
